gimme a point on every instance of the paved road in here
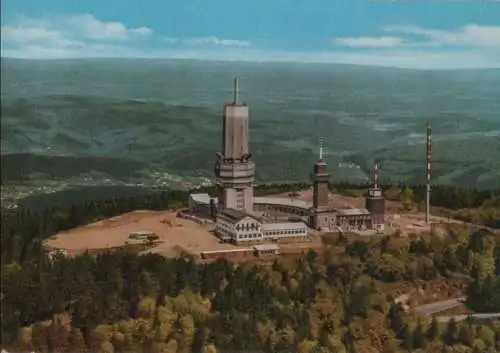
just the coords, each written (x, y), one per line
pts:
(445, 319)
(437, 307)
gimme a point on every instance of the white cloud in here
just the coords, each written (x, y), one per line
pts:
(218, 41)
(23, 34)
(90, 27)
(68, 30)
(473, 35)
(84, 36)
(145, 31)
(369, 42)
(212, 40)
(171, 40)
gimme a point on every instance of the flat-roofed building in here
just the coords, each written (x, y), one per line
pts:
(354, 220)
(266, 249)
(141, 234)
(202, 204)
(227, 254)
(288, 230)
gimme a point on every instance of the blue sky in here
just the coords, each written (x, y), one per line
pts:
(429, 34)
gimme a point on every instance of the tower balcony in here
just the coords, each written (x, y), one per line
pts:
(235, 170)
(320, 177)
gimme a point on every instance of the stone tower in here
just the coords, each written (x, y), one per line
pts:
(234, 171)
(320, 178)
(375, 202)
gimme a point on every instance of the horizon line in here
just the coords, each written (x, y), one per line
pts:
(240, 61)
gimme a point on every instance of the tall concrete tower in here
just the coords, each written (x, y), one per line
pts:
(234, 172)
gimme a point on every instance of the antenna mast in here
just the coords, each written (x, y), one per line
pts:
(321, 148)
(235, 90)
(375, 174)
(428, 174)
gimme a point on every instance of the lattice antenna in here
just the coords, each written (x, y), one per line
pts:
(428, 171)
(321, 142)
(235, 90)
(376, 176)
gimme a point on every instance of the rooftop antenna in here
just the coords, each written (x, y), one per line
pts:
(235, 90)
(321, 148)
(375, 175)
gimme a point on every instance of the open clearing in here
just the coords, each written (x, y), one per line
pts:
(175, 234)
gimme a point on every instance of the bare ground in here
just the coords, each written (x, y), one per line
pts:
(175, 234)
(178, 235)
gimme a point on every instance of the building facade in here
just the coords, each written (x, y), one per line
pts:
(239, 227)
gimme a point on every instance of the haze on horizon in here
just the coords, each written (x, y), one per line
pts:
(416, 35)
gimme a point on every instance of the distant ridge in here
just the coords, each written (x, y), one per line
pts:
(241, 62)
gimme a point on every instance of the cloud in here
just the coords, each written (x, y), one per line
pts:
(171, 40)
(472, 35)
(369, 42)
(212, 40)
(219, 41)
(90, 27)
(84, 36)
(66, 31)
(23, 34)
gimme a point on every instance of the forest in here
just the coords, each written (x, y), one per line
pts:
(320, 302)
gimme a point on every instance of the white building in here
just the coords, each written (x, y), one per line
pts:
(239, 227)
(284, 230)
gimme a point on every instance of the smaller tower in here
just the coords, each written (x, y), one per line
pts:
(320, 179)
(375, 202)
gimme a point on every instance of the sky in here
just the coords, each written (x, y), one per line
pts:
(421, 34)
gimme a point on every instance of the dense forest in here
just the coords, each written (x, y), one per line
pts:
(321, 302)
(329, 302)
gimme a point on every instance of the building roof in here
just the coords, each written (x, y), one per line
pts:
(202, 198)
(282, 201)
(235, 215)
(141, 232)
(266, 247)
(225, 251)
(284, 225)
(353, 212)
(205, 199)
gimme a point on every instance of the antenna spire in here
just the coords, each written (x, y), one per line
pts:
(235, 90)
(375, 174)
(321, 148)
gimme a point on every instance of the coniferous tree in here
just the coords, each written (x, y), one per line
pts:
(450, 335)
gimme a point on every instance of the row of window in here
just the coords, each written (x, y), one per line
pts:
(250, 236)
(247, 226)
(282, 209)
(285, 232)
(239, 199)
